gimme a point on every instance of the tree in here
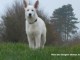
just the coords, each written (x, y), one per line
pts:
(64, 20)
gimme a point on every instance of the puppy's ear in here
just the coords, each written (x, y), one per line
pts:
(36, 4)
(25, 3)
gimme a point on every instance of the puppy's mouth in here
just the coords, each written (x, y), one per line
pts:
(30, 16)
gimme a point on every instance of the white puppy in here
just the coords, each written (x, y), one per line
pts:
(35, 26)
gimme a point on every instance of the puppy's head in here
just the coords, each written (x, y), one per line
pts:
(30, 11)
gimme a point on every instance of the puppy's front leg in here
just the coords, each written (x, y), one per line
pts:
(31, 42)
(38, 41)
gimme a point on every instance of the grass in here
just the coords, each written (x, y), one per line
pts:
(20, 51)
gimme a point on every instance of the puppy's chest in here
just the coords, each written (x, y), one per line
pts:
(33, 29)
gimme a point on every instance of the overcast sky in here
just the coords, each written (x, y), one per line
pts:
(48, 6)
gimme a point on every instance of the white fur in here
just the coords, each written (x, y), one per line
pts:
(36, 32)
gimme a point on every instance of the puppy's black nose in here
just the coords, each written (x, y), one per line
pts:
(29, 14)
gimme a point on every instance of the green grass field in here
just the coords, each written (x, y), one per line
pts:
(19, 51)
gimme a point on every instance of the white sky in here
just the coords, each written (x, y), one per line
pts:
(48, 6)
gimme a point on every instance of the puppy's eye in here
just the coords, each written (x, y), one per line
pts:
(27, 9)
(32, 10)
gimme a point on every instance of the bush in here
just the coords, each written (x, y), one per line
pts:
(15, 23)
